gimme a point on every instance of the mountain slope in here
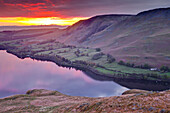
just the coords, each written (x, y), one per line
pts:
(83, 30)
(141, 38)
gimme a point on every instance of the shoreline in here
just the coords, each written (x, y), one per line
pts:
(89, 69)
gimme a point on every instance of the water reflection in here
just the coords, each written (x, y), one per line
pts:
(17, 76)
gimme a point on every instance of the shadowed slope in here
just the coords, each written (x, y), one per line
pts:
(141, 38)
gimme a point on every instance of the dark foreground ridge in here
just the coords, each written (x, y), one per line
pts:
(40, 100)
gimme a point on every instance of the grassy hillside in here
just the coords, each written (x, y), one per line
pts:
(45, 101)
(138, 39)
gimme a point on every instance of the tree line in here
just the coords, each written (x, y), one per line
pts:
(145, 66)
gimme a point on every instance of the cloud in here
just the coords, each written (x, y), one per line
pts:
(23, 1)
(78, 8)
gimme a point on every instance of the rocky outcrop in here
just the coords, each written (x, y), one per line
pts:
(41, 100)
(42, 92)
(135, 91)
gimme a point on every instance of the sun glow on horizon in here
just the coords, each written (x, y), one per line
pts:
(20, 21)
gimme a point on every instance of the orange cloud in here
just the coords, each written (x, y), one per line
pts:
(71, 9)
(39, 21)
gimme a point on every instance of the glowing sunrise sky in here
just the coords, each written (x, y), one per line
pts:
(67, 12)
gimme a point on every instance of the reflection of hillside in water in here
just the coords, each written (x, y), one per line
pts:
(133, 84)
(19, 75)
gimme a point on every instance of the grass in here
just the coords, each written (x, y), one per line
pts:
(83, 58)
(106, 71)
(44, 52)
(168, 74)
(125, 69)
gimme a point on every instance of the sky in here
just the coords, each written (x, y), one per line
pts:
(67, 12)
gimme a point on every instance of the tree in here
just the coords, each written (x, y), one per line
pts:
(98, 49)
(121, 63)
(110, 58)
(165, 69)
(146, 66)
(132, 65)
(97, 56)
(128, 64)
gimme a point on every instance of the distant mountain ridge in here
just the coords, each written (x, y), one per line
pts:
(83, 30)
(100, 23)
(14, 28)
(156, 11)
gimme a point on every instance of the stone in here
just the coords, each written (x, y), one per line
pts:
(134, 91)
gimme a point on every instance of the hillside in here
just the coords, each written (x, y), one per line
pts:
(142, 38)
(40, 100)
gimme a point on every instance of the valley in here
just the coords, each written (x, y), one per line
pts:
(100, 44)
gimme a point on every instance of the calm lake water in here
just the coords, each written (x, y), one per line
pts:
(18, 75)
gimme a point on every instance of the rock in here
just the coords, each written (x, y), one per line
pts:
(110, 106)
(82, 105)
(152, 109)
(134, 91)
(134, 108)
(41, 92)
(150, 92)
(99, 103)
(138, 94)
(162, 111)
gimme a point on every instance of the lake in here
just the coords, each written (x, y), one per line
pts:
(19, 75)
